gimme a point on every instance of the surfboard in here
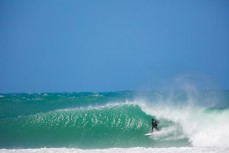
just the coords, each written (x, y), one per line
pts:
(152, 133)
(148, 134)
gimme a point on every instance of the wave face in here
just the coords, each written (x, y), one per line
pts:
(112, 119)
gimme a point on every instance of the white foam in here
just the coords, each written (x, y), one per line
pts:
(119, 150)
(164, 132)
(202, 128)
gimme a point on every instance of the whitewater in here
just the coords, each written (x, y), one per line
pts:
(115, 122)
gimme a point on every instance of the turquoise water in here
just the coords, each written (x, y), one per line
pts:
(113, 119)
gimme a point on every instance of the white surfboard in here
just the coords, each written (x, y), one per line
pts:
(152, 133)
(148, 134)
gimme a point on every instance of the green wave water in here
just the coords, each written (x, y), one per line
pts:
(100, 120)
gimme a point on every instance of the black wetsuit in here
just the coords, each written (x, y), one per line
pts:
(154, 125)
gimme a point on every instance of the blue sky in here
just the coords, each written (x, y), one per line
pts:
(106, 45)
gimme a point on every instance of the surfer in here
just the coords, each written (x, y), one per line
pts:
(154, 124)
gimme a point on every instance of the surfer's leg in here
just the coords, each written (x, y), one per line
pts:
(156, 128)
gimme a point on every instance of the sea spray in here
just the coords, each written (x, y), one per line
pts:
(203, 126)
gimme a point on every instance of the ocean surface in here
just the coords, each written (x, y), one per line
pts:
(115, 121)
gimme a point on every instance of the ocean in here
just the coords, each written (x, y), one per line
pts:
(115, 122)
